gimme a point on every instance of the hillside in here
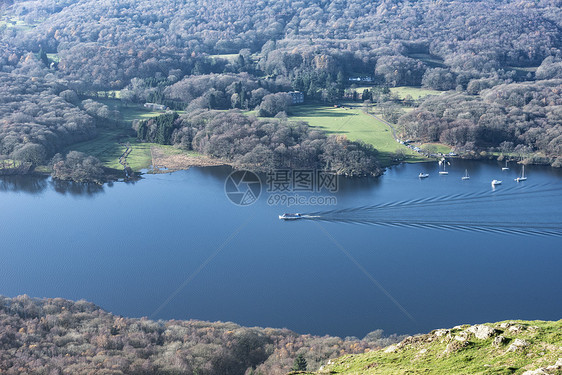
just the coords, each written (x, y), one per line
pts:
(64, 65)
(509, 347)
(58, 336)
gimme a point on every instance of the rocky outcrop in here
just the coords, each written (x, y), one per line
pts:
(518, 344)
(520, 347)
(550, 370)
(482, 332)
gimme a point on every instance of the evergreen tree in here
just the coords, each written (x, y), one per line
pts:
(300, 363)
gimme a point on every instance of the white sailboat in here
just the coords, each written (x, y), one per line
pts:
(466, 176)
(506, 168)
(522, 177)
(444, 163)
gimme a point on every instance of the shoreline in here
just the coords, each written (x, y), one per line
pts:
(166, 162)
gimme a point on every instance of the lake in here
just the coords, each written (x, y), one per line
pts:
(394, 253)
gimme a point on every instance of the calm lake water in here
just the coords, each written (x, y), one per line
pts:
(397, 253)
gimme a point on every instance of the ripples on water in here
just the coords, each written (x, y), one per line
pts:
(482, 211)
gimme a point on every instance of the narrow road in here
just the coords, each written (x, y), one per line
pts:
(386, 123)
(123, 159)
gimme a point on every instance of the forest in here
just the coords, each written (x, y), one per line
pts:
(499, 62)
(56, 336)
(261, 145)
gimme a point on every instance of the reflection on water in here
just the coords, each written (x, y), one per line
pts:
(38, 184)
(26, 184)
(76, 188)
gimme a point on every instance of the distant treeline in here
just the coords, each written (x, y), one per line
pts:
(108, 44)
(56, 336)
(197, 55)
(521, 119)
(260, 144)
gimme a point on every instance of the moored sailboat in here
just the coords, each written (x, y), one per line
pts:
(522, 177)
(506, 168)
(444, 163)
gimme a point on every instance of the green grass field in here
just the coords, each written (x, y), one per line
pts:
(53, 57)
(108, 147)
(435, 147)
(402, 91)
(229, 57)
(16, 23)
(129, 112)
(360, 89)
(414, 92)
(355, 125)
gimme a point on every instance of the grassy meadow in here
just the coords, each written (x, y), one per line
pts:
(415, 92)
(108, 145)
(355, 125)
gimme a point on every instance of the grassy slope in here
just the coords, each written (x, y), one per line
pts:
(355, 125)
(106, 146)
(402, 91)
(414, 92)
(229, 57)
(435, 147)
(428, 353)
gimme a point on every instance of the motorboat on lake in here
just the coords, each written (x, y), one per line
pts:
(496, 182)
(423, 175)
(290, 217)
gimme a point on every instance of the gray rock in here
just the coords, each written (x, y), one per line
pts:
(517, 344)
(441, 332)
(391, 349)
(516, 328)
(546, 370)
(498, 341)
(481, 331)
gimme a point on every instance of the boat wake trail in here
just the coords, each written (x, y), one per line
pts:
(512, 211)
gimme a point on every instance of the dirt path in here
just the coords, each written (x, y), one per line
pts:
(386, 123)
(123, 159)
